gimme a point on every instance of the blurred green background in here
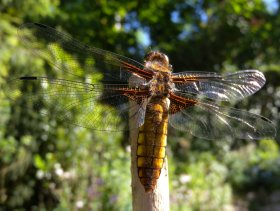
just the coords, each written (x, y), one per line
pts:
(46, 165)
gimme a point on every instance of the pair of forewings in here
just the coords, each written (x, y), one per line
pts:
(104, 106)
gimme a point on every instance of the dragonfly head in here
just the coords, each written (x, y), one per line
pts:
(157, 61)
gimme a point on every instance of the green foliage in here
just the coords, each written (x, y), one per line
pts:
(204, 187)
(257, 170)
(99, 183)
(47, 165)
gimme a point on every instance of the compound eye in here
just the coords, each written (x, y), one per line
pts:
(148, 56)
(166, 58)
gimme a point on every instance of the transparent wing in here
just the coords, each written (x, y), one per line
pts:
(227, 87)
(98, 107)
(207, 120)
(114, 66)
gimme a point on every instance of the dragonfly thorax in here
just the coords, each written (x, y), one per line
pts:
(161, 84)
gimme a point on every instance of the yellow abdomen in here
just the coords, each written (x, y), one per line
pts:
(151, 143)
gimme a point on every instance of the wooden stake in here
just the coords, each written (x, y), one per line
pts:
(158, 200)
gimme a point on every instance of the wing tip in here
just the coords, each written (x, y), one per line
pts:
(40, 25)
(28, 78)
(32, 25)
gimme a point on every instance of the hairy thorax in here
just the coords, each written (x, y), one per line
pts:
(161, 84)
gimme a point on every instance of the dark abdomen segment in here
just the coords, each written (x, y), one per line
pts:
(151, 143)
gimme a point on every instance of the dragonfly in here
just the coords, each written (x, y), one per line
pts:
(147, 92)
